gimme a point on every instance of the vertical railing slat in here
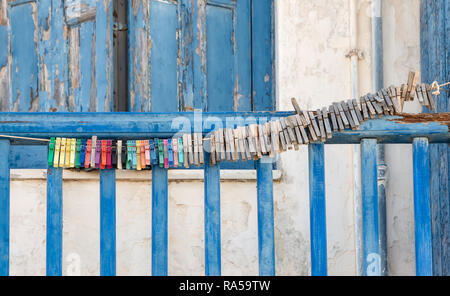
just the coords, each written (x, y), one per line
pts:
(4, 207)
(212, 219)
(159, 221)
(422, 207)
(107, 222)
(54, 221)
(317, 210)
(266, 236)
(369, 193)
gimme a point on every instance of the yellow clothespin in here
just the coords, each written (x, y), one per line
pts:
(138, 155)
(63, 152)
(72, 152)
(68, 145)
(57, 149)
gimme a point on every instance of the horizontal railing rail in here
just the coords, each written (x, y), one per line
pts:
(418, 130)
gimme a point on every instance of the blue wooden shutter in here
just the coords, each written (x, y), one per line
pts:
(58, 55)
(186, 55)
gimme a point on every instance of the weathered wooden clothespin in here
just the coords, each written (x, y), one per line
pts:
(351, 110)
(285, 133)
(281, 136)
(294, 127)
(409, 85)
(338, 117)
(275, 139)
(357, 109)
(238, 134)
(51, 151)
(430, 97)
(403, 93)
(68, 147)
(422, 94)
(246, 143)
(305, 118)
(302, 129)
(77, 153)
(119, 154)
(372, 112)
(379, 98)
(82, 153)
(166, 153)
(375, 105)
(87, 159)
(212, 149)
(93, 150)
(201, 150)
(327, 123)
(365, 110)
(57, 152)
(395, 103)
(62, 155)
(196, 150)
(170, 152)
(387, 98)
(323, 136)
(237, 148)
(333, 118)
(261, 140)
(108, 154)
(312, 118)
(290, 133)
(414, 85)
(175, 152)
(342, 115)
(251, 144)
(266, 133)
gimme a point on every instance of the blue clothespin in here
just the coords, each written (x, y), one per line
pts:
(133, 150)
(82, 153)
(170, 154)
(153, 158)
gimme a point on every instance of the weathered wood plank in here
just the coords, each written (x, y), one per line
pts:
(107, 222)
(159, 221)
(317, 210)
(4, 207)
(54, 222)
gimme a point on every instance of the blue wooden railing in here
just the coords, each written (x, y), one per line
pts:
(13, 155)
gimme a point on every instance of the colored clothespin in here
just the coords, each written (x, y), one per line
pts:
(129, 156)
(142, 160)
(134, 155)
(63, 153)
(77, 153)
(108, 154)
(103, 155)
(119, 154)
(153, 159)
(87, 158)
(57, 151)
(93, 150)
(138, 155)
(180, 152)
(185, 151)
(170, 152)
(175, 152)
(166, 154)
(113, 154)
(82, 153)
(147, 152)
(73, 143)
(51, 151)
(98, 153)
(68, 149)
(161, 152)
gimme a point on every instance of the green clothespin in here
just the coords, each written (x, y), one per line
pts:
(180, 152)
(129, 155)
(51, 152)
(161, 153)
(77, 153)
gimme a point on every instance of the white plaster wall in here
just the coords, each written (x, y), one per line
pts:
(312, 40)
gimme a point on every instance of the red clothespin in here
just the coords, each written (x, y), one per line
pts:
(103, 157)
(108, 154)
(147, 152)
(166, 154)
(143, 162)
(87, 159)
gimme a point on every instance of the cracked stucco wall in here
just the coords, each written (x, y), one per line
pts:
(312, 40)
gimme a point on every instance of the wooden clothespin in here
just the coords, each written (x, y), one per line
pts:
(414, 85)
(338, 117)
(327, 123)
(93, 150)
(67, 158)
(77, 153)
(409, 85)
(365, 110)
(239, 136)
(82, 153)
(251, 144)
(285, 133)
(302, 129)
(424, 95)
(269, 139)
(262, 142)
(351, 111)
(388, 100)
(275, 139)
(119, 154)
(245, 139)
(237, 146)
(166, 153)
(62, 155)
(108, 154)
(379, 98)
(87, 159)
(305, 118)
(357, 109)
(170, 153)
(375, 105)
(201, 150)
(51, 151)
(403, 94)
(333, 118)
(281, 136)
(175, 152)
(312, 117)
(323, 136)
(430, 97)
(266, 135)
(338, 106)
(212, 150)
(57, 152)
(196, 150)
(290, 133)
(372, 112)
(294, 126)
(185, 151)
(395, 103)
